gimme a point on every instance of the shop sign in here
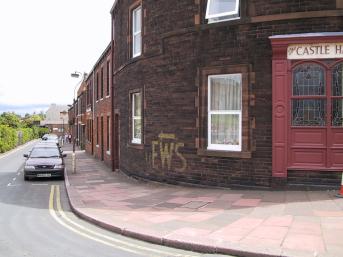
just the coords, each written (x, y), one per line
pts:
(315, 51)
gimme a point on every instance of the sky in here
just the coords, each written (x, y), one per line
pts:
(42, 42)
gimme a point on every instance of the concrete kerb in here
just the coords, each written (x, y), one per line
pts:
(192, 246)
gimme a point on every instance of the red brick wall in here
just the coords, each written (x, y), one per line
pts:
(176, 52)
(102, 108)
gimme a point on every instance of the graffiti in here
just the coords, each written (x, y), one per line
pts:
(164, 150)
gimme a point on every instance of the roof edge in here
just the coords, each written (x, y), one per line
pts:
(304, 35)
(113, 6)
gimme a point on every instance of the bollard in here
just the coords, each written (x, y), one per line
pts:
(73, 158)
(73, 163)
(340, 194)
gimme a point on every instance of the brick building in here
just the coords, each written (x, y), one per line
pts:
(80, 117)
(226, 93)
(93, 110)
(56, 119)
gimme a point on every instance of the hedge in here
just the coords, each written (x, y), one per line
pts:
(11, 137)
(8, 138)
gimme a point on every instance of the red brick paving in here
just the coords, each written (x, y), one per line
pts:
(288, 223)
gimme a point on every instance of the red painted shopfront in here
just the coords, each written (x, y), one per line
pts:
(307, 102)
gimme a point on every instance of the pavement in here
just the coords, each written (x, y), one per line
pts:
(211, 220)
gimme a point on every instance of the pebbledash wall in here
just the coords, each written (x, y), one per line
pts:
(165, 87)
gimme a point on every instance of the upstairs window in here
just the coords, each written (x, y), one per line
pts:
(102, 83)
(221, 10)
(137, 31)
(108, 78)
(97, 86)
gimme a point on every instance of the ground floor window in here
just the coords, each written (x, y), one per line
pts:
(136, 118)
(225, 112)
(225, 128)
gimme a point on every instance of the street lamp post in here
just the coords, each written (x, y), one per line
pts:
(76, 74)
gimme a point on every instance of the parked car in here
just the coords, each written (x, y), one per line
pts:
(48, 144)
(44, 162)
(50, 138)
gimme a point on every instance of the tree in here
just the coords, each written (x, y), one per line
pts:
(10, 119)
(32, 120)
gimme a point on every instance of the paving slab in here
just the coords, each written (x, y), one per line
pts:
(210, 220)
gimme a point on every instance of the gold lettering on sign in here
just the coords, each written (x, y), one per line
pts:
(168, 149)
(315, 51)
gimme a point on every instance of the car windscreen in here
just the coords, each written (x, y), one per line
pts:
(45, 152)
(52, 137)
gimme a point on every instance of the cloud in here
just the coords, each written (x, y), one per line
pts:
(23, 109)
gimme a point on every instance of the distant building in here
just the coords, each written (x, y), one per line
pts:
(56, 119)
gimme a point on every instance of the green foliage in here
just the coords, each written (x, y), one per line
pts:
(15, 131)
(8, 138)
(41, 131)
(10, 119)
(31, 120)
(25, 135)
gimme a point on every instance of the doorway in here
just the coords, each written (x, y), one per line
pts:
(102, 137)
(316, 116)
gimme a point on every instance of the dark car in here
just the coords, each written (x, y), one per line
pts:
(44, 162)
(50, 138)
(48, 144)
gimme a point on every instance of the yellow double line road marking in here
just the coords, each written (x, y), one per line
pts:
(79, 229)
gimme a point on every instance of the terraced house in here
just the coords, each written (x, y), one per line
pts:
(225, 92)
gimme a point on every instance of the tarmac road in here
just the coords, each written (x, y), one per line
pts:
(36, 221)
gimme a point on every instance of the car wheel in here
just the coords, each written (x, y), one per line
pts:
(26, 178)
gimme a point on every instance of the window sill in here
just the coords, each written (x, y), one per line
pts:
(136, 55)
(229, 154)
(234, 21)
(135, 146)
(97, 146)
(108, 96)
(108, 152)
(212, 20)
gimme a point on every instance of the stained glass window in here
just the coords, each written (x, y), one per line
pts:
(308, 112)
(308, 80)
(337, 92)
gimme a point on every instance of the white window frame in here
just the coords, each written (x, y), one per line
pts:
(136, 32)
(134, 118)
(223, 14)
(223, 147)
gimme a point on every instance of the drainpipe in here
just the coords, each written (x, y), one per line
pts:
(113, 154)
(93, 111)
